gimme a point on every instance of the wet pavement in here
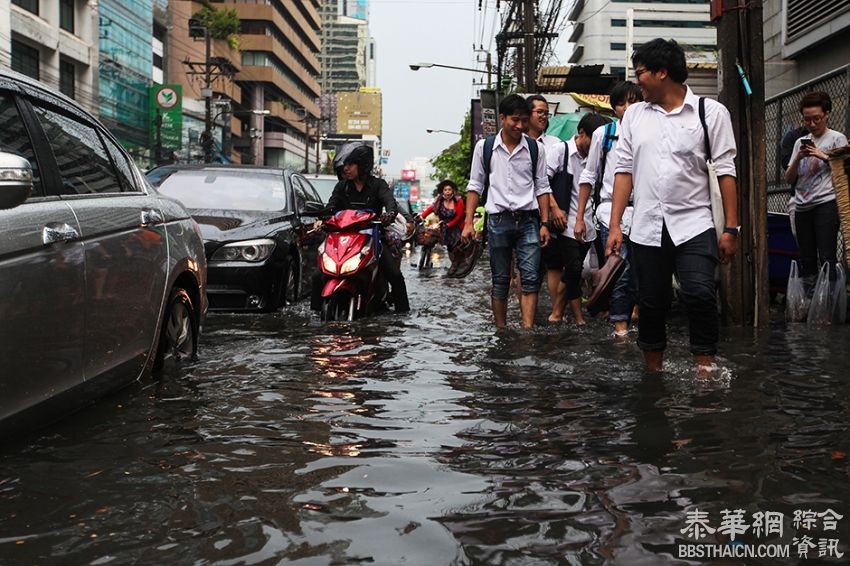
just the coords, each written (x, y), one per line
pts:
(430, 439)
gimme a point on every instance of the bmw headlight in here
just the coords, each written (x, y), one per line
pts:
(253, 251)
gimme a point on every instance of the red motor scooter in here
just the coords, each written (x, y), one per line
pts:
(349, 258)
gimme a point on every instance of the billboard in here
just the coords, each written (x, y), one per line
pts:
(166, 108)
(358, 113)
(408, 174)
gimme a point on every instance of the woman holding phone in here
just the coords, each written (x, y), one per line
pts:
(816, 218)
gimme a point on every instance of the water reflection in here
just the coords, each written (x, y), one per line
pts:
(428, 439)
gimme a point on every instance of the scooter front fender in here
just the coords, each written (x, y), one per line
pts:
(334, 285)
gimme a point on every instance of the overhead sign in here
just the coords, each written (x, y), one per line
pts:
(166, 114)
(358, 113)
(408, 174)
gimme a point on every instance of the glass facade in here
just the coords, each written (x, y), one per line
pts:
(126, 66)
(357, 9)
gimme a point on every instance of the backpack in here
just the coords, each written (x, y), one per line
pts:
(533, 150)
(607, 143)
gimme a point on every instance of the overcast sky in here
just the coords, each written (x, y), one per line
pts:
(412, 31)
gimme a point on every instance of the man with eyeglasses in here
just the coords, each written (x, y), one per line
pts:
(553, 255)
(816, 212)
(661, 155)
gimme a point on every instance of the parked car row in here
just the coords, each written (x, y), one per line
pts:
(104, 277)
(101, 278)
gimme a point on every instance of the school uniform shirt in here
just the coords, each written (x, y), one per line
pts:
(513, 186)
(606, 192)
(575, 165)
(555, 148)
(665, 154)
(814, 177)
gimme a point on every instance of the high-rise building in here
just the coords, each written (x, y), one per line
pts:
(126, 70)
(54, 42)
(266, 112)
(601, 30)
(345, 43)
(279, 69)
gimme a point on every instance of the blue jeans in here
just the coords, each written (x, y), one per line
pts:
(694, 263)
(510, 233)
(624, 296)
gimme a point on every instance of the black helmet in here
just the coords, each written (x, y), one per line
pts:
(358, 153)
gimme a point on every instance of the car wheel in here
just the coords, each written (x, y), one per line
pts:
(177, 339)
(291, 283)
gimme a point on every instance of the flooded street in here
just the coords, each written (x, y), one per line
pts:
(429, 439)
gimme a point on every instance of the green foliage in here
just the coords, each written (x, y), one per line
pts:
(223, 23)
(454, 161)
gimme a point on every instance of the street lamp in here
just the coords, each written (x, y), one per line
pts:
(430, 131)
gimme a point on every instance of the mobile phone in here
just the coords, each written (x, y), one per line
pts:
(807, 142)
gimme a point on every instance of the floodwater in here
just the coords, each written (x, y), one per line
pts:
(429, 439)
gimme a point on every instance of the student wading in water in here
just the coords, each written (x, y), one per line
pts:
(661, 156)
(517, 204)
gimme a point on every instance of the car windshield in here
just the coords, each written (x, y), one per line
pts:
(324, 186)
(226, 190)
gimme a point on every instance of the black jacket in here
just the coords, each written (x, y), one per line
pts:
(375, 196)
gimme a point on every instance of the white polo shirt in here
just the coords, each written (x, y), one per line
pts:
(512, 184)
(591, 172)
(665, 154)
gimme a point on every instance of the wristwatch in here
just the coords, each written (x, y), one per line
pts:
(734, 230)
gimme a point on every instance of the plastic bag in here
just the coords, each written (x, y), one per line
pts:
(839, 296)
(820, 309)
(796, 304)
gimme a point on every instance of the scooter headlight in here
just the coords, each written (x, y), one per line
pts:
(328, 264)
(350, 264)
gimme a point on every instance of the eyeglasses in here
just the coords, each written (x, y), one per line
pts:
(639, 72)
(813, 119)
(543, 113)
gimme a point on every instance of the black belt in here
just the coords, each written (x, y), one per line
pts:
(518, 214)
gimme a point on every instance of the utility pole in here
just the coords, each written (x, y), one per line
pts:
(530, 66)
(744, 283)
(206, 139)
(210, 69)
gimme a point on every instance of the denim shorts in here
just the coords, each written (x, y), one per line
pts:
(509, 234)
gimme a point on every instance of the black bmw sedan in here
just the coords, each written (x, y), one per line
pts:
(256, 223)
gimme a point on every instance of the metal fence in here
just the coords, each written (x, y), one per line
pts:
(782, 114)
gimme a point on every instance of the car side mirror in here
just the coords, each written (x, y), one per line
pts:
(312, 208)
(15, 180)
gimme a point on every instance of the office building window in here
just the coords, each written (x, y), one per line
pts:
(28, 5)
(25, 59)
(618, 47)
(67, 78)
(621, 23)
(66, 15)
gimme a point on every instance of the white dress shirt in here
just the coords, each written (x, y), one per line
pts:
(576, 164)
(555, 148)
(591, 172)
(512, 184)
(665, 154)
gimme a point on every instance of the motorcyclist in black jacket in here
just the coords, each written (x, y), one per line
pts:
(358, 189)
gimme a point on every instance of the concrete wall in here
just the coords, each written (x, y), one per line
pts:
(788, 66)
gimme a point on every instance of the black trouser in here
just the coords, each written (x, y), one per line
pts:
(574, 254)
(817, 236)
(388, 270)
(694, 263)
